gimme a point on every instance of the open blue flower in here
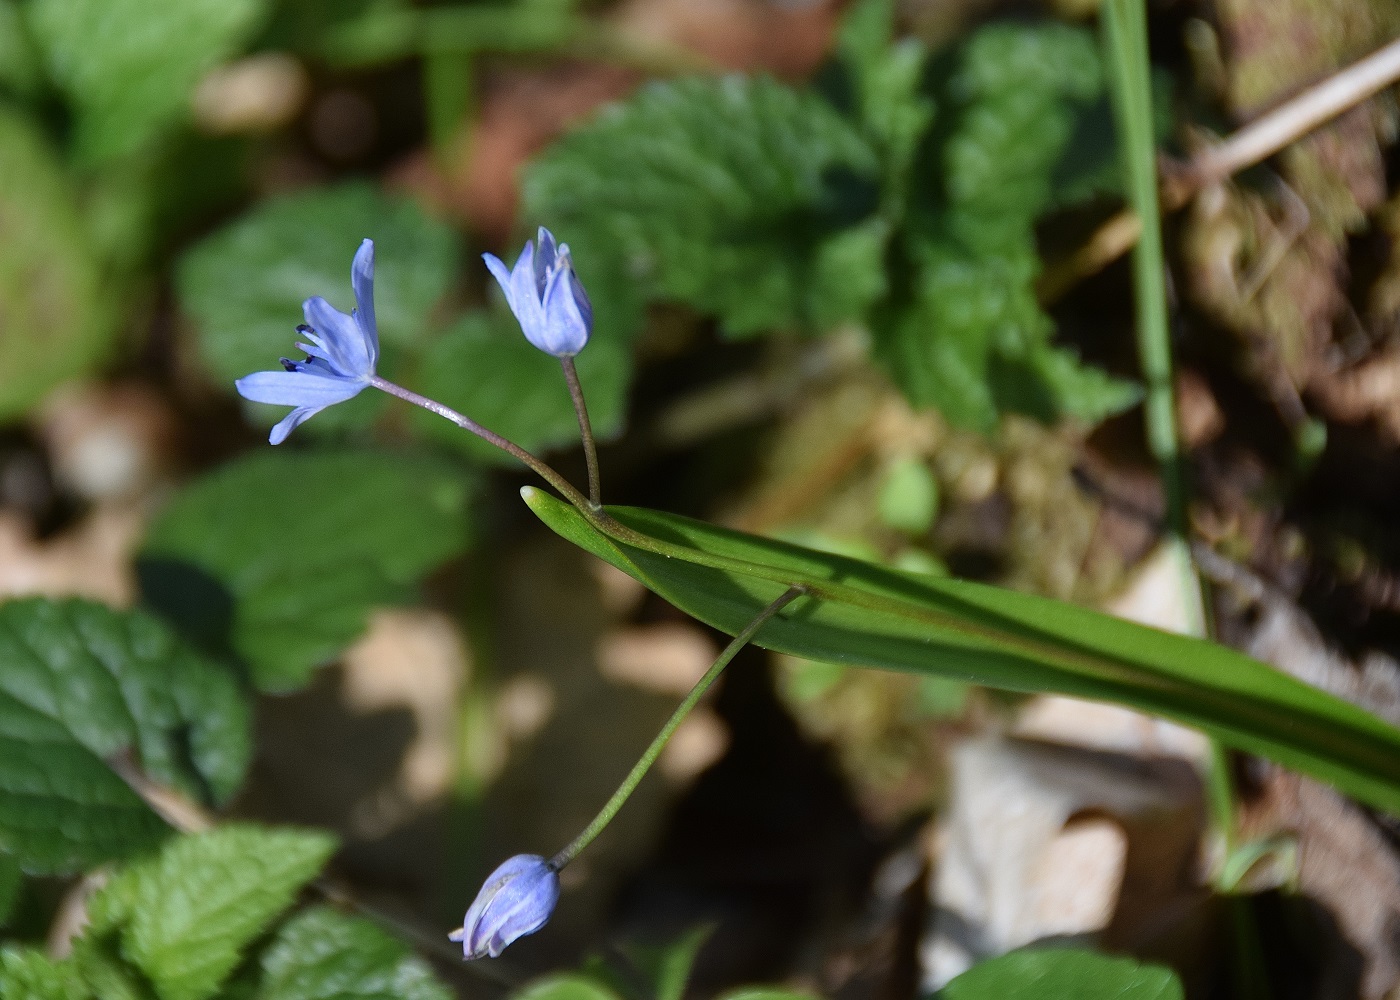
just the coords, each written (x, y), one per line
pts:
(517, 899)
(339, 360)
(546, 296)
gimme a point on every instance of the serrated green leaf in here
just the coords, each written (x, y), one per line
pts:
(105, 973)
(719, 193)
(968, 335)
(130, 67)
(80, 683)
(52, 320)
(866, 615)
(565, 986)
(29, 974)
(184, 916)
(484, 367)
(279, 556)
(322, 955)
(886, 78)
(244, 285)
(1062, 974)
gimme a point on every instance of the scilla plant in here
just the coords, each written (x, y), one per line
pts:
(822, 606)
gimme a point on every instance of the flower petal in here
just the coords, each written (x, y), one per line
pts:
(362, 280)
(564, 332)
(345, 345)
(299, 388)
(291, 422)
(545, 254)
(502, 274)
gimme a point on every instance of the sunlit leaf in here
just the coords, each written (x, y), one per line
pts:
(865, 615)
(279, 556)
(1062, 974)
(81, 684)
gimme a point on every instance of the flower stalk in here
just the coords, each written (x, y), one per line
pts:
(585, 430)
(648, 758)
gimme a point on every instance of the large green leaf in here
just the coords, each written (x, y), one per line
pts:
(52, 324)
(322, 955)
(80, 683)
(245, 284)
(1062, 974)
(865, 615)
(484, 367)
(184, 916)
(130, 66)
(721, 193)
(967, 334)
(279, 555)
(29, 974)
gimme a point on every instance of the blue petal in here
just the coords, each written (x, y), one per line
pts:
(564, 333)
(301, 388)
(345, 346)
(516, 899)
(585, 307)
(544, 260)
(501, 273)
(291, 422)
(525, 297)
(362, 280)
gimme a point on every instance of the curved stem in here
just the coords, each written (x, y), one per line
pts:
(648, 758)
(585, 430)
(538, 465)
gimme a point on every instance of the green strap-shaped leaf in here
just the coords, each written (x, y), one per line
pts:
(866, 615)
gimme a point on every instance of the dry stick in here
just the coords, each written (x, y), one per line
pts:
(1255, 142)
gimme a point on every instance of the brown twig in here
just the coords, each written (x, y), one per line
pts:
(1252, 144)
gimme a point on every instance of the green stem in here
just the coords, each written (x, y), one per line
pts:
(648, 758)
(585, 430)
(1125, 32)
(538, 465)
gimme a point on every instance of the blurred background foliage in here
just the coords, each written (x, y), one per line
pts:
(843, 264)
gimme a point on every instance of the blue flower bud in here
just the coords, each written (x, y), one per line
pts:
(546, 296)
(516, 900)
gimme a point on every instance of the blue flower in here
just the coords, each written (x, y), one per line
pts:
(546, 296)
(516, 900)
(339, 361)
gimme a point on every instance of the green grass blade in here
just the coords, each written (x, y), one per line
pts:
(870, 616)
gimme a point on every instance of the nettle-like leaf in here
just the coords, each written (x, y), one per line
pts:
(80, 684)
(130, 67)
(969, 336)
(53, 324)
(29, 974)
(485, 368)
(322, 955)
(184, 916)
(1062, 974)
(244, 285)
(723, 194)
(279, 556)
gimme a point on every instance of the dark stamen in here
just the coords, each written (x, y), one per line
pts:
(289, 364)
(303, 328)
